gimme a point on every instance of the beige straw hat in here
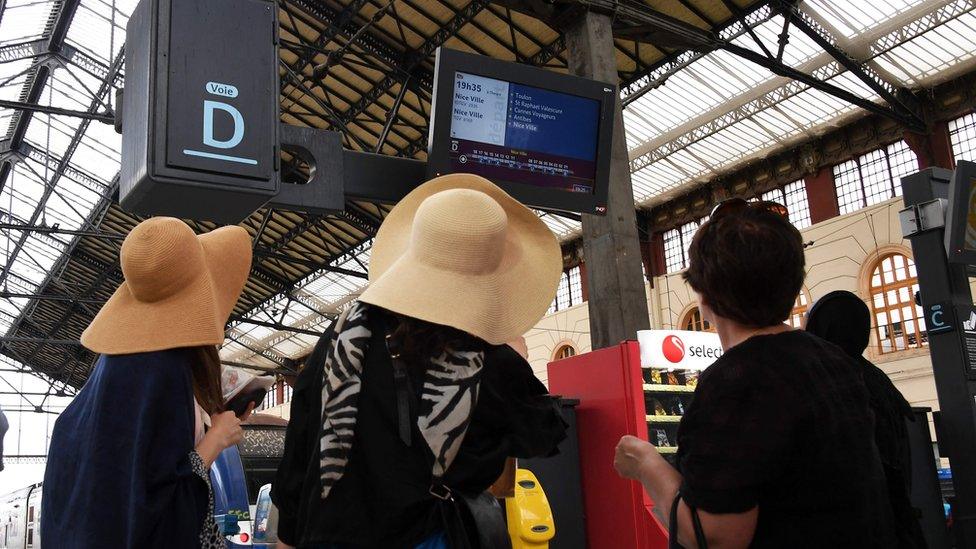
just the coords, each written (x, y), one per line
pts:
(179, 289)
(460, 252)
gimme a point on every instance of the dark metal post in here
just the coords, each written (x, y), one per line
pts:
(945, 288)
(617, 298)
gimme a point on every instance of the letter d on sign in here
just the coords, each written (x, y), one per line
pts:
(208, 125)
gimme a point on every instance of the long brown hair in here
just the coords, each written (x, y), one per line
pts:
(205, 366)
(419, 340)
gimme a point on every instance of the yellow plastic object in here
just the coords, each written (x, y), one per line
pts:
(530, 523)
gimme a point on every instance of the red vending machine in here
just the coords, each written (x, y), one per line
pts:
(610, 387)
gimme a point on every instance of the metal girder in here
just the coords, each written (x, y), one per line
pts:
(415, 59)
(48, 297)
(89, 180)
(260, 254)
(907, 120)
(40, 340)
(25, 459)
(732, 117)
(273, 325)
(43, 229)
(251, 345)
(23, 50)
(55, 41)
(648, 15)
(883, 42)
(949, 11)
(740, 15)
(102, 92)
(97, 214)
(391, 115)
(369, 43)
(106, 118)
(900, 99)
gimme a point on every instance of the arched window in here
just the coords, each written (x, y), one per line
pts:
(695, 323)
(564, 351)
(898, 320)
(799, 310)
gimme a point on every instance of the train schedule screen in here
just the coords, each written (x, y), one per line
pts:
(502, 130)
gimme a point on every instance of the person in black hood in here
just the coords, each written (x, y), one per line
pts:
(841, 318)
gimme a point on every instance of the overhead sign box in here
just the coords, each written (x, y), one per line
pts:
(542, 136)
(200, 109)
(678, 349)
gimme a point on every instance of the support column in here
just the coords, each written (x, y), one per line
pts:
(822, 195)
(934, 150)
(617, 300)
(584, 281)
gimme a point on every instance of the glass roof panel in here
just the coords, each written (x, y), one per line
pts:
(24, 20)
(942, 40)
(854, 17)
(99, 27)
(13, 74)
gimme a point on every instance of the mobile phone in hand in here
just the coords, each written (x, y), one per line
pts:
(241, 401)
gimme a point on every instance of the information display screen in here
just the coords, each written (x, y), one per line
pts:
(544, 137)
(524, 134)
(961, 217)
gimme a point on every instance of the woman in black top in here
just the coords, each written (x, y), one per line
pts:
(395, 419)
(776, 450)
(841, 318)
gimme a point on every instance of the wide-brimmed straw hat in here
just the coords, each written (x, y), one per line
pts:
(179, 289)
(461, 252)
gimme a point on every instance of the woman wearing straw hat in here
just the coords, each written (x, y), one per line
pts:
(128, 461)
(410, 404)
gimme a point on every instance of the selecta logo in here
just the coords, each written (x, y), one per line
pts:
(673, 348)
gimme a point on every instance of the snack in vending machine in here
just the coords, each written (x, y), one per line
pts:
(673, 378)
(660, 437)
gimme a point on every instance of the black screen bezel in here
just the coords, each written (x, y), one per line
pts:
(958, 214)
(448, 62)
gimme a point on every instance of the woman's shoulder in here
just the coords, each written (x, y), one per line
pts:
(752, 358)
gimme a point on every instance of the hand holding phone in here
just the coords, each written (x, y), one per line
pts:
(245, 402)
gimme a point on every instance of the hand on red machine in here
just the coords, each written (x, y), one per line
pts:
(633, 456)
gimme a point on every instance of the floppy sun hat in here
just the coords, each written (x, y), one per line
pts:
(179, 289)
(459, 251)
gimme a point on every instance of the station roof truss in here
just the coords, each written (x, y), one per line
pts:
(705, 84)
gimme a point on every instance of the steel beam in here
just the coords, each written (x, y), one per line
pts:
(49, 297)
(878, 43)
(415, 59)
(900, 99)
(32, 93)
(43, 229)
(105, 118)
(102, 92)
(274, 326)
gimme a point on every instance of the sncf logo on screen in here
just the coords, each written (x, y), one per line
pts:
(678, 349)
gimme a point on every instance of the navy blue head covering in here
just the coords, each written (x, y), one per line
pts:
(843, 319)
(118, 471)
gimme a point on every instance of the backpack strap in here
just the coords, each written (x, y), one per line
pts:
(404, 388)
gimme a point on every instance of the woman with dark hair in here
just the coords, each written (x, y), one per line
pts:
(128, 465)
(409, 406)
(776, 449)
(841, 318)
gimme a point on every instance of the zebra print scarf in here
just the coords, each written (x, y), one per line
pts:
(448, 398)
